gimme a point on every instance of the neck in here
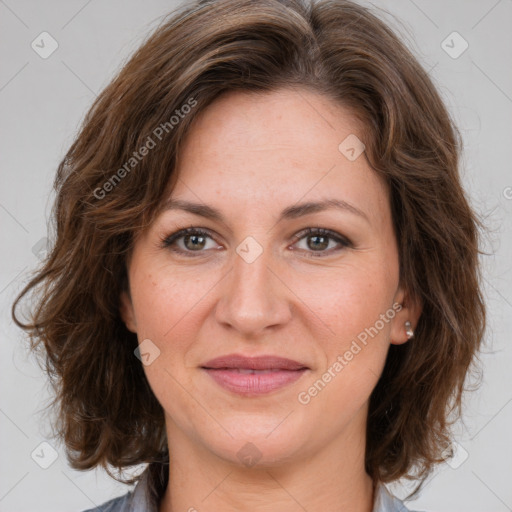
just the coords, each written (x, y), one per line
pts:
(332, 478)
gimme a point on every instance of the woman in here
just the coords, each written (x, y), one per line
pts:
(264, 281)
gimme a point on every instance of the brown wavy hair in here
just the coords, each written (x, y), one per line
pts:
(107, 413)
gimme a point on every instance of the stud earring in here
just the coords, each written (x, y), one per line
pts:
(408, 330)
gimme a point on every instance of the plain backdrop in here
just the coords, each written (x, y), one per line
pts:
(43, 101)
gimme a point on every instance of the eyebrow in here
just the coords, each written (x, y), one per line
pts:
(292, 212)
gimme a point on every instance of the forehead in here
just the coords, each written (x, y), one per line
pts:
(287, 119)
(262, 149)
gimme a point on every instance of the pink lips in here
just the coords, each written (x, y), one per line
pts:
(250, 376)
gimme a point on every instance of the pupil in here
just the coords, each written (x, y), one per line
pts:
(195, 237)
(324, 245)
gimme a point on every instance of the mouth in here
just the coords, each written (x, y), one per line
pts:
(252, 376)
(237, 361)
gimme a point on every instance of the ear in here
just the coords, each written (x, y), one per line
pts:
(409, 311)
(127, 312)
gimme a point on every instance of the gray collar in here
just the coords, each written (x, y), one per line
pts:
(144, 499)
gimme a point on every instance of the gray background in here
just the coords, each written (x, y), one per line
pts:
(44, 100)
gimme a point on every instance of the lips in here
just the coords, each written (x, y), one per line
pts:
(252, 376)
(262, 363)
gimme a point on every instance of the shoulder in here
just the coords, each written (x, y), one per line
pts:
(119, 504)
(386, 502)
(140, 499)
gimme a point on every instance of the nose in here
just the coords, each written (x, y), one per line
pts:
(254, 298)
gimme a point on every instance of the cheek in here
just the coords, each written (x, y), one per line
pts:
(164, 299)
(348, 300)
(165, 303)
(356, 344)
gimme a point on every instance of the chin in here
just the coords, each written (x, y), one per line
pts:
(264, 444)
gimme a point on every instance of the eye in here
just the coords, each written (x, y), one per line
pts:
(320, 239)
(193, 240)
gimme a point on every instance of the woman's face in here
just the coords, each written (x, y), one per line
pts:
(258, 284)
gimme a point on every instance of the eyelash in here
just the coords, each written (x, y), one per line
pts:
(169, 241)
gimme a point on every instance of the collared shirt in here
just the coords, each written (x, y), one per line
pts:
(143, 499)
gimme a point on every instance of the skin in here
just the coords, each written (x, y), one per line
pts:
(251, 156)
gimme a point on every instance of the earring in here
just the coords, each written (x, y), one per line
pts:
(408, 330)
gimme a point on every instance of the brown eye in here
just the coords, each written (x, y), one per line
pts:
(319, 239)
(193, 240)
(320, 242)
